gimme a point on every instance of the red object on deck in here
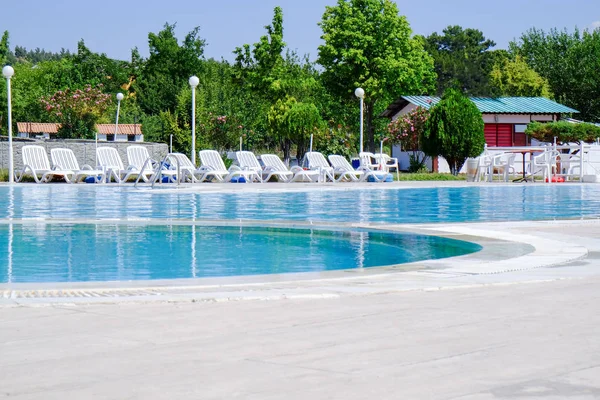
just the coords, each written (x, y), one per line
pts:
(556, 179)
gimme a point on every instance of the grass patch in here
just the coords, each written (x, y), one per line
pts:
(430, 176)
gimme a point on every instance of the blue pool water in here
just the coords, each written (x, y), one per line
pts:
(468, 204)
(46, 234)
(107, 252)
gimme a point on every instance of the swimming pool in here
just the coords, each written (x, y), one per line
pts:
(426, 205)
(59, 252)
(143, 234)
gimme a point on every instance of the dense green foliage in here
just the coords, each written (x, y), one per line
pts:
(570, 62)
(514, 78)
(454, 130)
(368, 44)
(563, 131)
(274, 99)
(463, 59)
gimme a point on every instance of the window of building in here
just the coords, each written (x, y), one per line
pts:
(110, 137)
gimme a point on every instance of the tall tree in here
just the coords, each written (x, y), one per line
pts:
(570, 62)
(168, 68)
(513, 77)
(462, 59)
(286, 84)
(369, 45)
(454, 130)
(4, 48)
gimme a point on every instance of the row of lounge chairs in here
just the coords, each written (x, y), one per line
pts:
(177, 167)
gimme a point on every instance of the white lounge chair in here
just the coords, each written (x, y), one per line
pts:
(64, 159)
(342, 169)
(186, 168)
(36, 163)
(248, 162)
(213, 167)
(109, 160)
(316, 161)
(275, 167)
(141, 162)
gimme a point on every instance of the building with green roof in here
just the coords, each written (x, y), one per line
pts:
(505, 118)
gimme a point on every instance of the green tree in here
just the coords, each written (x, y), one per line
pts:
(516, 78)
(369, 45)
(94, 69)
(570, 62)
(454, 130)
(4, 48)
(285, 84)
(462, 58)
(168, 69)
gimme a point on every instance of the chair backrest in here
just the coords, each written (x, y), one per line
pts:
(340, 162)
(137, 156)
(212, 158)
(547, 157)
(35, 157)
(385, 158)
(368, 160)
(274, 162)
(316, 160)
(182, 159)
(247, 160)
(108, 157)
(64, 159)
(503, 159)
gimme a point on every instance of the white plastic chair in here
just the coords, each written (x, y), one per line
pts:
(110, 161)
(140, 162)
(369, 161)
(213, 167)
(64, 159)
(342, 169)
(317, 162)
(567, 164)
(388, 163)
(273, 166)
(181, 162)
(36, 164)
(545, 163)
(504, 163)
(485, 167)
(248, 162)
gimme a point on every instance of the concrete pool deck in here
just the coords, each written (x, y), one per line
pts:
(516, 320)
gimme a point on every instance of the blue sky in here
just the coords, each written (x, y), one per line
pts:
(115, 26)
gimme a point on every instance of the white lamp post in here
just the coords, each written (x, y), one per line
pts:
(119, 98)
(360, 93)
(194, 81)
(8, 72)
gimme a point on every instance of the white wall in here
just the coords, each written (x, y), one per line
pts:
(515, 118)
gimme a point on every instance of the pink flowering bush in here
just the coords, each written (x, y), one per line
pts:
(406, 131)
(77, 110)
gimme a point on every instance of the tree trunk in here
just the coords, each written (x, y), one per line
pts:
(300, 151)
(286, 147)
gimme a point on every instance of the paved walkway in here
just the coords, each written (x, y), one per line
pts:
(534, 340)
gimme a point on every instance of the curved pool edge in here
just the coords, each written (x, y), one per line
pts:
(539, 248)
